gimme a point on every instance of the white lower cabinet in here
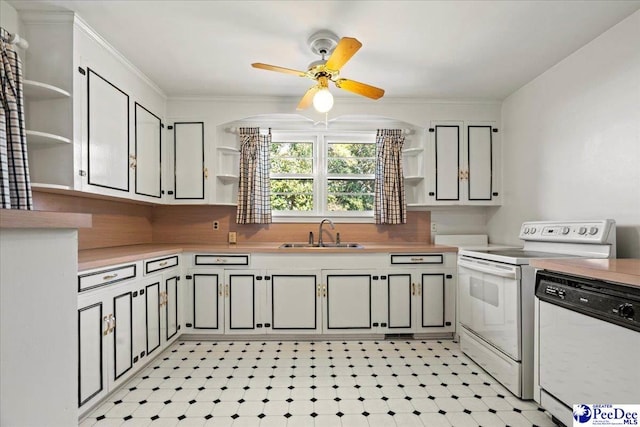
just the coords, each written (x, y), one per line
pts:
(122, 319)
(293, 302)
(348, 301)
(106, 331)
(421, 299)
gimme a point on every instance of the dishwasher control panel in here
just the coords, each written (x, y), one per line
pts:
(613, 303)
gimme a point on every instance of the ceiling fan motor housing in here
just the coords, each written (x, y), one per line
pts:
(323, 42)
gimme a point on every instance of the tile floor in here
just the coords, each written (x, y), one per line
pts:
(325, 383)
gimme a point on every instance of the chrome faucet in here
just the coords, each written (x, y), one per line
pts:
(320, 230)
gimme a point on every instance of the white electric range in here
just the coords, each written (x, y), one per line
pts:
(496, 294)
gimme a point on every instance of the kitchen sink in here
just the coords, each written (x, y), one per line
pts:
(324, 245)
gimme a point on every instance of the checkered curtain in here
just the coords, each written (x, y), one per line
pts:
(15, 185)
(254, 193)
(390, 205)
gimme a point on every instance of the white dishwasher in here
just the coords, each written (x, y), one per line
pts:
(589, 343)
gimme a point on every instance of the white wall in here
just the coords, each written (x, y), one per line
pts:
(571, 141)
(9, 18)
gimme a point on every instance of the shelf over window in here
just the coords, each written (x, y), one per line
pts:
(43, 138)
(37, 91)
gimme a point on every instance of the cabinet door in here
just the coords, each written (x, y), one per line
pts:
(170, 303)
(347, 303)
(400, 291)
(245, 296)
(139, 323)
(432, 300)
(108, 134)
(91, 353)
(148, 156)
(447, 162)
(122, 336)
(479, 163)
(152, 309)
(293, 302)
(188, 157)
(207, 303)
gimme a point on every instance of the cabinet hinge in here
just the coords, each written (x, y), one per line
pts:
(179, 327)
(135, 359)
(141, 291)
(431, 193)
(384, 325)
(449, 276)
(432, 130)
(495, 194)
(447, 323)
(495, 130)
(189, 325)
(169, 127)
(374, 277)
(177, 278)
(376, 324)
(267, 325)
(82, 71)
(170, 192)
(188, 277)
(267, 277)
(383, 277)
(258, 277)
(135, 294)
(82, 173)
(162, 125)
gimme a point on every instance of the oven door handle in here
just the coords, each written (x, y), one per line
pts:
(509, 274)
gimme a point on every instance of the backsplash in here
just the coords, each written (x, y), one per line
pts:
(194, 224)
(118, 223)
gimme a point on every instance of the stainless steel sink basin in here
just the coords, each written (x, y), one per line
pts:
(324, 245)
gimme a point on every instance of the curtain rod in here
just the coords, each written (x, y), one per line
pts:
(15, 39)
(237, 130)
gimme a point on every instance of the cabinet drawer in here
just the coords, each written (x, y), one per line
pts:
(221, 259)
(160, 264)
(417, 259)
(104, 277)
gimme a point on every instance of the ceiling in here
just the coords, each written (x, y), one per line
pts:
(414, 49)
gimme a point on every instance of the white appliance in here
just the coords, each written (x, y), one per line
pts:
(589, 342)
(496, 295)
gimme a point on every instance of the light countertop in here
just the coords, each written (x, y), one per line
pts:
(95, 258)
(623, 270)
(19, 218)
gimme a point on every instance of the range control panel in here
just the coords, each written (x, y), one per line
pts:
(568, 231)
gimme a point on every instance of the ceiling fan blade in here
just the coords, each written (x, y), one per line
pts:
(279, 69)
(346, 48)
(360, 88)
(307, 99)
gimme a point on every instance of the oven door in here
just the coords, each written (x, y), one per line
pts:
(489, 299)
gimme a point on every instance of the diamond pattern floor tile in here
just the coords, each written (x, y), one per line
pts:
(314, 384)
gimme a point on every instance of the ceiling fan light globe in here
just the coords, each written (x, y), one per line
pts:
(323, 101)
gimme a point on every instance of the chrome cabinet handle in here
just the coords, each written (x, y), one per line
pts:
(113, 323)
(413, 289)
(163, 263)
(110, 276)
(226, 292)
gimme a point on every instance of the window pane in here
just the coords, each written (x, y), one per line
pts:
(351, 158)
(292, 157)
(292, 194)
(348, 202)
(351, 186)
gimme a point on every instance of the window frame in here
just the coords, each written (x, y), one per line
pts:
(320, 175)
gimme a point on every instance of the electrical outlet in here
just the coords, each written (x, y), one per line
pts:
(216, 225)
(233, 237)
(434, 227)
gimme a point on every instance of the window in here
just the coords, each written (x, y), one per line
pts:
(323, 174)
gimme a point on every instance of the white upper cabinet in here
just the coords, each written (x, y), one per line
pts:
(187, 164)
(464, 164)
(147, 158)
(94, 120)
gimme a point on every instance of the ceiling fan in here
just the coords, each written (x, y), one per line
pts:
(325, 43)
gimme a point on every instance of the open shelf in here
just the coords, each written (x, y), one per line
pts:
(230, 150)
(228, 178)
(412, 151)
(413, 179)
(38, 185)
(43, 138)
(34, 90)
